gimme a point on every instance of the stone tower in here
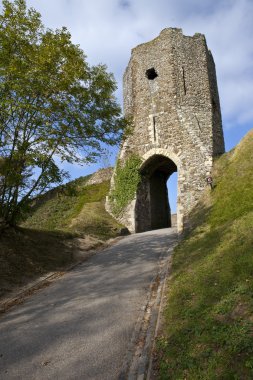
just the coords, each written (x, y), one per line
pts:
(171, 94)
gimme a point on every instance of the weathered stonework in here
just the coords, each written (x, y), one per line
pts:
(100, 176)
(170, 91)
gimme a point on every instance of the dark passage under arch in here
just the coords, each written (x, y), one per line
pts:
(152, 209)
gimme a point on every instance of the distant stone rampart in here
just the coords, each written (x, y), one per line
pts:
(100, 176)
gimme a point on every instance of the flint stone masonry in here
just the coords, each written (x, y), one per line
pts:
(170, 92)
(100, 176)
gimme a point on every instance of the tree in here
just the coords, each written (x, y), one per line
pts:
(53, 107)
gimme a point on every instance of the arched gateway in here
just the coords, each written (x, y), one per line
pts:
(170, 92)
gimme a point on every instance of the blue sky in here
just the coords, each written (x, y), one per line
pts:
(107, 30)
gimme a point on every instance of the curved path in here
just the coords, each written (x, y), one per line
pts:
(81, 325)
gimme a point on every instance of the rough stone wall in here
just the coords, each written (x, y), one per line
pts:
(176, 115)
(174, 220)
(100, 176)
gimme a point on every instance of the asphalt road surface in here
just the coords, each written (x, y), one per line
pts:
(81, 325)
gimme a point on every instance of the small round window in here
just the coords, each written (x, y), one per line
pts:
(151, 74)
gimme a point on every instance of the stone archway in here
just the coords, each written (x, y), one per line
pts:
(152, 207)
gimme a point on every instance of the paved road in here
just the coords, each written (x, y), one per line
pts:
(81, 325)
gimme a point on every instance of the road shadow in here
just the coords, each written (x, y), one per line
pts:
(100, 295)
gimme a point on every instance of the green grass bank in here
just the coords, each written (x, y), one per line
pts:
(77, 208)
(63, 226)
(207, 330)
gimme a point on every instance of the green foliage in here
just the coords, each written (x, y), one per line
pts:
(53, 104)
(127, 178)
(209, 312)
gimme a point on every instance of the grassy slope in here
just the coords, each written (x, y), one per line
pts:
(47, 240)
(79, 209)
(27, 254)
(208, 319)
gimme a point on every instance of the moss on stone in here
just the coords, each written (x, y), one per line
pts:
(126, 180)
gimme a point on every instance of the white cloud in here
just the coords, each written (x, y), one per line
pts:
(229, 35)
(107, 30)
